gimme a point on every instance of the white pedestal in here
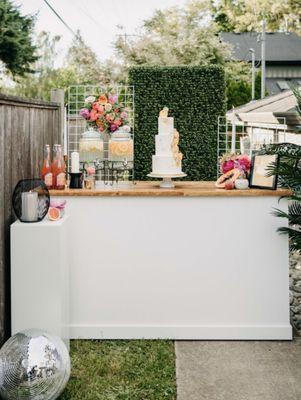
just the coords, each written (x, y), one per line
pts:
(40, 277)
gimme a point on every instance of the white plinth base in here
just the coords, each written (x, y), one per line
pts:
(178, 267)
(40, 277)
(181, 332)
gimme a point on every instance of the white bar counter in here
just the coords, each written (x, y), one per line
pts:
(193, 262)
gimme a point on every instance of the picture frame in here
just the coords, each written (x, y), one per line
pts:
(258, 178)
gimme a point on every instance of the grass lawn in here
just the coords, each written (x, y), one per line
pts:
(122, 370)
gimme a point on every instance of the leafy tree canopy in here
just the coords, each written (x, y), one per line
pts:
(246, 15)
(16, 49)
(81, 66)
(175, 36)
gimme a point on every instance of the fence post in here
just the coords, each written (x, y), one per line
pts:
(58, 96)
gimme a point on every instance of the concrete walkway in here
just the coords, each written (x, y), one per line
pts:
(238, 370)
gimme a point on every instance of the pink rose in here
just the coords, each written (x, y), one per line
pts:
(124, 115)
(113, 127)
(244, 162)
(113, 99)
(91, 170)
(227, 166)
(118, 122)
(100, 108)
(93, 115)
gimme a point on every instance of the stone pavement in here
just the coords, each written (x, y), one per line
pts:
(232, 370)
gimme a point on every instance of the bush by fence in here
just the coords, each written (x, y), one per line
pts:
(195, 97)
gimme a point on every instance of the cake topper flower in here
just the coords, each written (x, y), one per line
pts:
(164, 112)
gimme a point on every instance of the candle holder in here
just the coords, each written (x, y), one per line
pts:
(76, 180)
(30, 200)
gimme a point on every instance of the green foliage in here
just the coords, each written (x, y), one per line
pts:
(289, 170)
(246, 15)
(16, 49)
(195, 97)
(175, 36)
(239, 85)
(297, 94)
(121, 370)
(80, 67)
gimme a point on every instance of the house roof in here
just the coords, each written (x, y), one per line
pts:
(281, 47)
(281, 105)
(281, 102)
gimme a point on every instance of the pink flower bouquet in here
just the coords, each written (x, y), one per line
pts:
(231, 161)
(105, 113)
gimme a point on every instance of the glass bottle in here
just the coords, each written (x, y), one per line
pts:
(59, 169)
(46, 172)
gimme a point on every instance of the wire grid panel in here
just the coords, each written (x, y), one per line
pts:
(76, 125)
(224, 139)
(250, 137)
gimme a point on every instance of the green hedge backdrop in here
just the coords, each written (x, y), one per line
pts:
(195, 97)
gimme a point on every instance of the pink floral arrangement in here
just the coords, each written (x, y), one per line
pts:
(105, 113)
(231, 161)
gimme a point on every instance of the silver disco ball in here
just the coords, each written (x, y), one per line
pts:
(33, 365)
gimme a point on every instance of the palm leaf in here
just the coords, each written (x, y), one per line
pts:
(294, 237)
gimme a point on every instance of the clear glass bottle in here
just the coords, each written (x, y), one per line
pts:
(121, 146)
(91, 146)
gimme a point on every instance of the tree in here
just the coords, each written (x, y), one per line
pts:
(239, 85)
(16, 49)
(187, 37)
(81, 66)
(175, 36)
(246, 15)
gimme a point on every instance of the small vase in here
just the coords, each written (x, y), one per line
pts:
(241, 184)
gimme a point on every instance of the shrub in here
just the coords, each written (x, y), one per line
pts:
(195, 96)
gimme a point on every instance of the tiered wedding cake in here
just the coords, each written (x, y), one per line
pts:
(168, 158)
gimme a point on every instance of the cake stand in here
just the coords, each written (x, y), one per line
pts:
(167, 183)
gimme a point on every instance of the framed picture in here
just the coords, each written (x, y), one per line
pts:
(258, 174)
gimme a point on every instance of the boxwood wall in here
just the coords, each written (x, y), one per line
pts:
(195, 96)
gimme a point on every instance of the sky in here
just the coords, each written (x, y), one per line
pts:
(96, 19)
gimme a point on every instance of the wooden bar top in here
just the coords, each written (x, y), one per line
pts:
(185, 188)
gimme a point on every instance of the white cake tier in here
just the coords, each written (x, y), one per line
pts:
(163, 145)
(166, 165)
(165, 125)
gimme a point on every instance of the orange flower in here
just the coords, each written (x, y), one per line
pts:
(103, 99)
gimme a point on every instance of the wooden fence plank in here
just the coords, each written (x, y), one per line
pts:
(25, 126)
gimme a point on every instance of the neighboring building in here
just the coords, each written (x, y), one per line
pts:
(270, 120)
(282, 106)
(283, 56)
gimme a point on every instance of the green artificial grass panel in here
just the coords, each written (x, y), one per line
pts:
(195, 96)
(121, 370)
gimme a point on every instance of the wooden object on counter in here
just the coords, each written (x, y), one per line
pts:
(190, 189)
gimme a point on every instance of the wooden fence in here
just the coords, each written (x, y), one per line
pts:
(25, 127)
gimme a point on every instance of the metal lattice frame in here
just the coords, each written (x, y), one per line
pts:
(76, 125)
(259, 134)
